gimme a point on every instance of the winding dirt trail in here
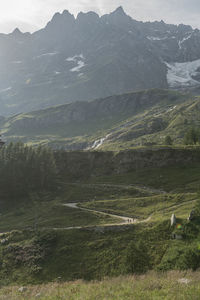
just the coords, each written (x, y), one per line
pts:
(123, 220)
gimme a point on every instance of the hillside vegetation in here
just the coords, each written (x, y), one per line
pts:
(118, 122)
(163, 286)
(42, 239)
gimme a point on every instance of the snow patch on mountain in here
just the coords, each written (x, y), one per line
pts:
(16, 62)
(47, 54)
(181, 74)
(79, 60)
(6, 90)
(155, 38)
(181, 42)
(75, 58)
(80, 65)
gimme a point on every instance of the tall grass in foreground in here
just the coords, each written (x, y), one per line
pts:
(173, 285)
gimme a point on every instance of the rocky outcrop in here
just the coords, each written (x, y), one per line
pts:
(191, 215)
(173, 220)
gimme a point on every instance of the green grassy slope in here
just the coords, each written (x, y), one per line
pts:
(152, 126)
(49, 215)
(157, 207)
(130, 120)
(95, 251)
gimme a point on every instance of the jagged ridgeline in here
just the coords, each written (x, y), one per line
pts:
(91, 57)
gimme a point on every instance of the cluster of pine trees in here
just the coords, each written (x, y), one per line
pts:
(25, 170)
(192, 136)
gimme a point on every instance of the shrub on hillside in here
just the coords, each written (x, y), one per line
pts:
(181, 257)
(192, 136)
(136, 258)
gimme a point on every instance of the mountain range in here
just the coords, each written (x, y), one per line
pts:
(90, 57)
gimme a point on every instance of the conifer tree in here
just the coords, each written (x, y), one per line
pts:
(25, 170)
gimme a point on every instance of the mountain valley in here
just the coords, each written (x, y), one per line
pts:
(100, 159)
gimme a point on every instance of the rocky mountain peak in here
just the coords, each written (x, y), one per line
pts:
(118, 17)
(119, 11)
(66, 13)
(16, 32)
(64, 17)
(87, 17)
(184, 28)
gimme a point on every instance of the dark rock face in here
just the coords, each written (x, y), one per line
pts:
(88, 58)
(83, 164)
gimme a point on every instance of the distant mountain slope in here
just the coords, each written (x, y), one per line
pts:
(115, 122)
(92, 57)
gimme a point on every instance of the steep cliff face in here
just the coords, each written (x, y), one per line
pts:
(74, 165)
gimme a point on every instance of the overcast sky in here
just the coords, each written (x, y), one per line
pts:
(30, 15)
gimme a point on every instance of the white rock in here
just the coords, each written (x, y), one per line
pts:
(184, 280)
(22, 289)
(4, 241)
(173, 220)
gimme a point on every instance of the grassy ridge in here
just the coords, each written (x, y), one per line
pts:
(126, 121)
(132, 119)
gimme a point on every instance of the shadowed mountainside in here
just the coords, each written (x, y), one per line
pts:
(136, 119)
